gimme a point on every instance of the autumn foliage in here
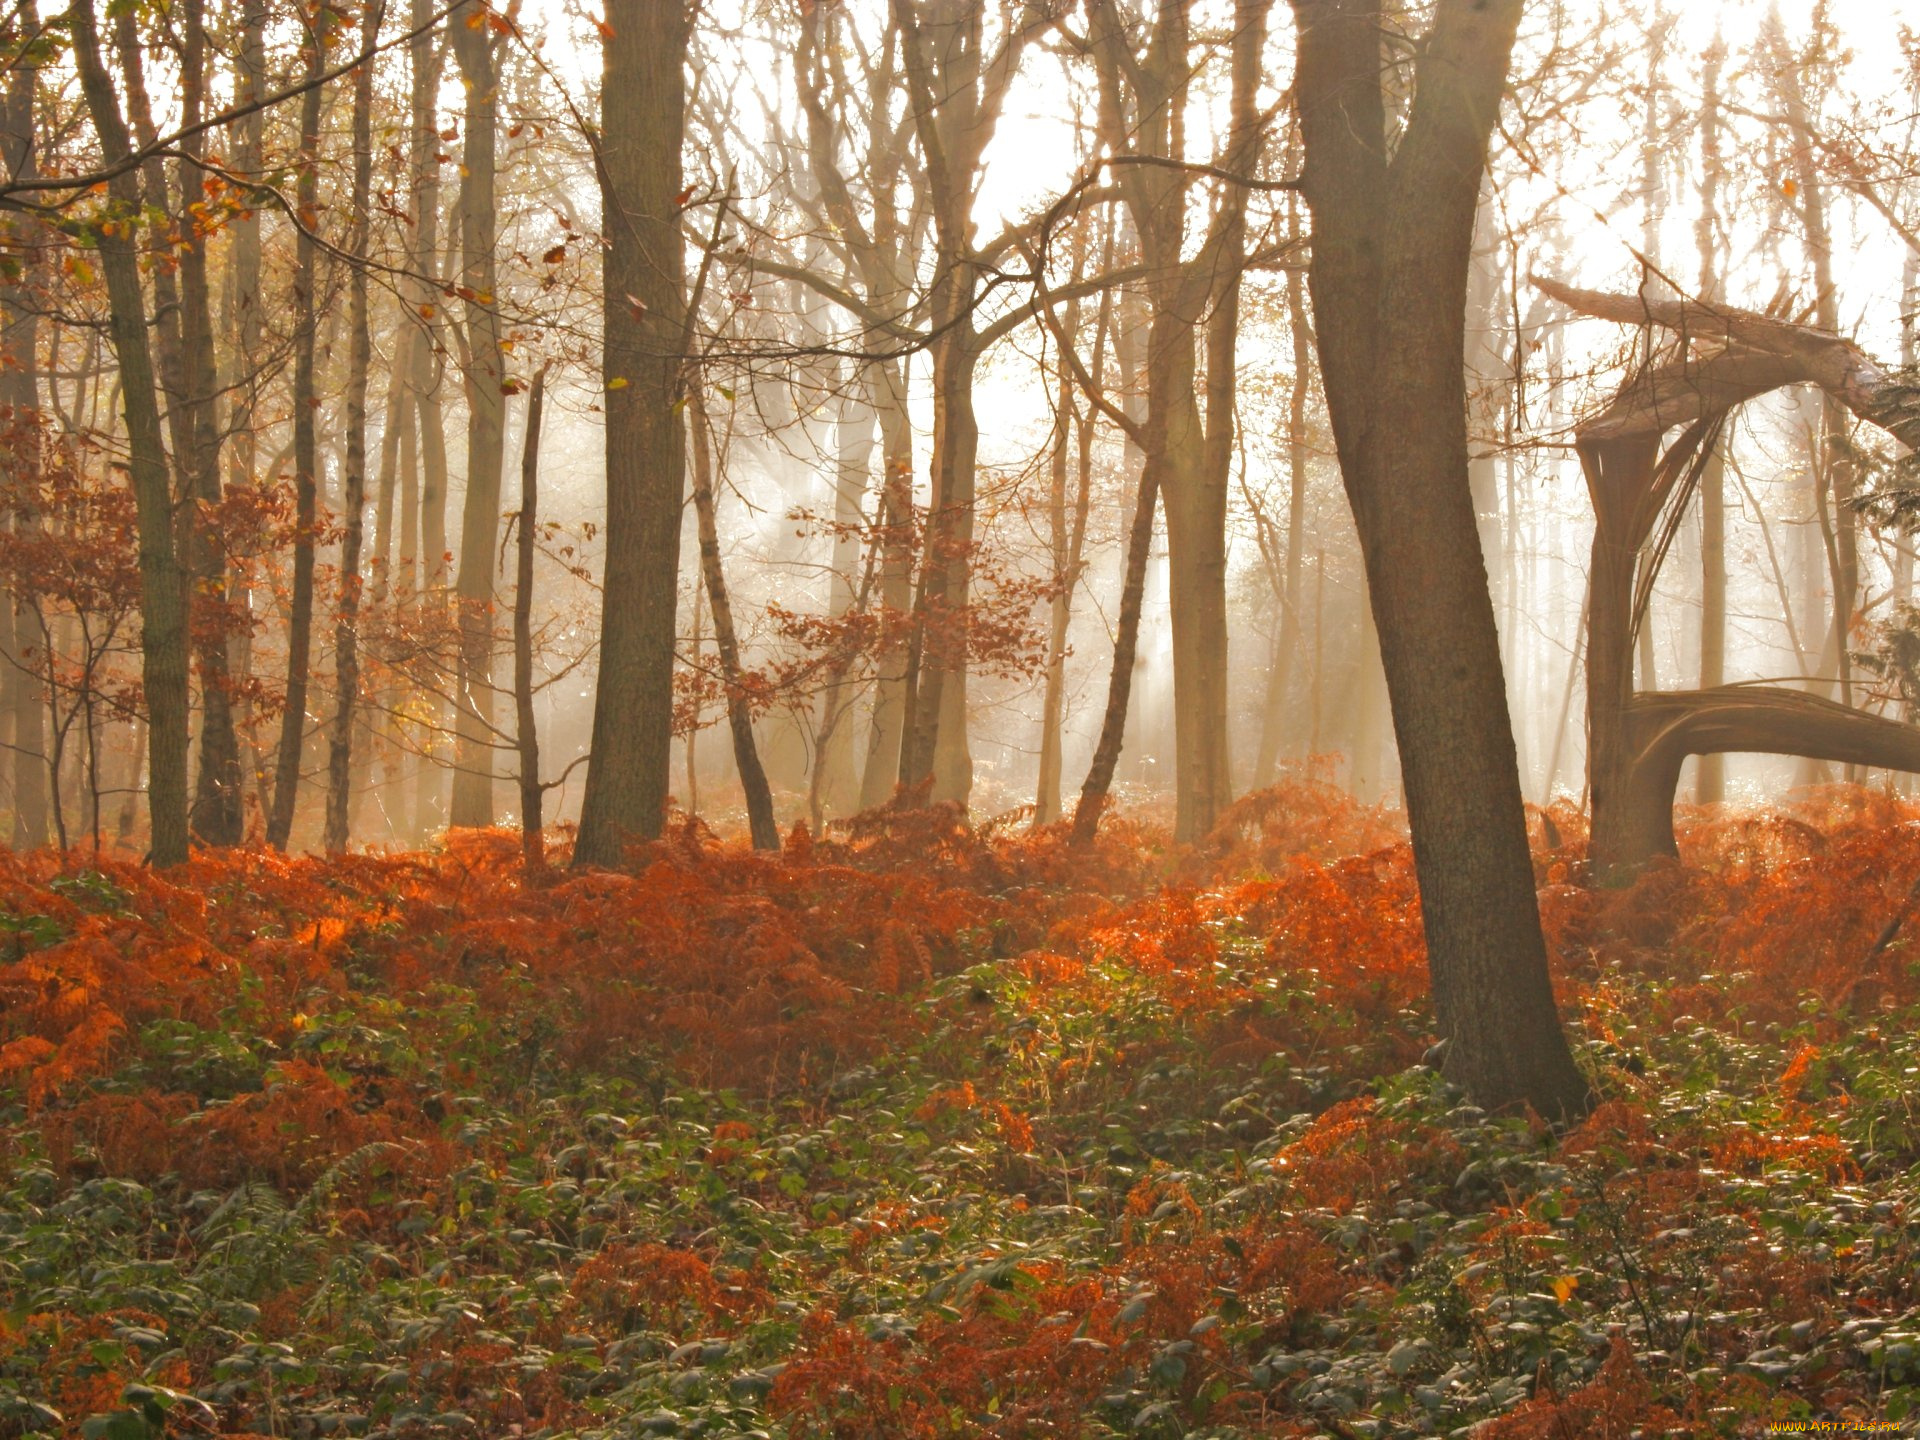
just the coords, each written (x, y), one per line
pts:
(919, 1129)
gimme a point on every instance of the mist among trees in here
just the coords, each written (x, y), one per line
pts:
(792, 692)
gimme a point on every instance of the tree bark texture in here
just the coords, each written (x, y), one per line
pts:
(643, 121)
(1392, 244)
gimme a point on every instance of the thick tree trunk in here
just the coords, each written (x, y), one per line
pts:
(1618, 478)
(746, 755)
(163, 597)
(643, 113)
(306, 456)
(1392, 243)
(183, 333)
(485, 375)
(935, 743)
(346, 634)
(24, 717)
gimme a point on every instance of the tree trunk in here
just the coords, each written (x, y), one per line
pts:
(1143, 98)
(1618, 477)
(403, 799)
(1638, 741)
(485, 375)
(956, 84)
(1835, 472)
(1710, 781)
(24, 717)
(426, 61)
(219, 809)
(881, 771)
(746, 755)
(643, 115)
(833, 786)
(247, 329)
(1068, 533)
(163, 598)
(1273, 722)
(935, 742)
(526, 728)
(1113, 724)
(306, 456)
(346, 635)
(1392, 243)
(183, 337)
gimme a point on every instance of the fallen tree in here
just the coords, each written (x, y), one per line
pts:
(1641, 483)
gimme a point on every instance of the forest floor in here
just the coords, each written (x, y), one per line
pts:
(927, 1132)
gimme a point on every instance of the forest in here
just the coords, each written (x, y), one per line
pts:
(847, 719)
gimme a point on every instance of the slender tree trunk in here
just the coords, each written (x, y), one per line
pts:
(246, 325)
(130, 792)
(382, 723)
(956, 83)
(396, 420)
(881, 771)
(1194, 498)
(834, 786)
(1710, 779)
(526, 727)
(1067, 527)
(696, 651)
(1143, 104)
(1273, 724)
(1834, 471)
(346, 634)
(746, 755)
(219, 809)
(1392, 244)
(1113, 724)
(163, 598)
(1909, 355)
(402, 797)
(426, 60)
(306, 455)
(643, 122)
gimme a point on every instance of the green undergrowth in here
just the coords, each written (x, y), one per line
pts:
(1066, 1202)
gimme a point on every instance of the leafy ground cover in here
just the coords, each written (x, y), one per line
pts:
(924, 1131)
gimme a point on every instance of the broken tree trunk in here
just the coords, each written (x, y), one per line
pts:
(1640, 484)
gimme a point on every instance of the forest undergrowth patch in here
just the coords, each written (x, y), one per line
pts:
(925, 1130)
